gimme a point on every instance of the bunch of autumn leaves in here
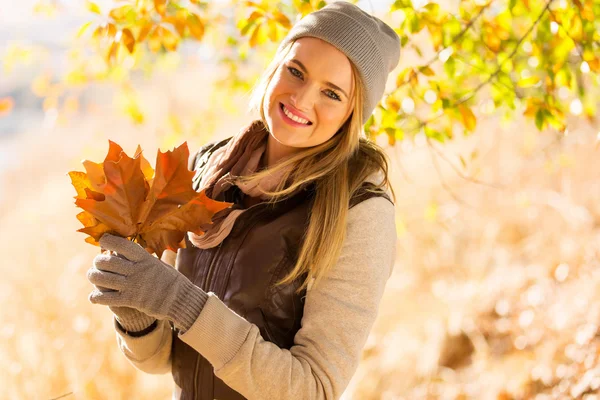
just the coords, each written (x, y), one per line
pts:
(156, 208)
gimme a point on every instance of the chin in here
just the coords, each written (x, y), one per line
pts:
(284, 133)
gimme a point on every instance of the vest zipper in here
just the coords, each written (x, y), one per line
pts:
(206, 281)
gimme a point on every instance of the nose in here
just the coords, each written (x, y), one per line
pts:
(302, 98)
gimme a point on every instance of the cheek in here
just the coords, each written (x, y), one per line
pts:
(331, 114)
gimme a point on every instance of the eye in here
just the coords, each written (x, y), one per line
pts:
(295, 72)
(334, 96)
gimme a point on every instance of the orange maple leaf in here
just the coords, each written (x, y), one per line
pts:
(127, 197)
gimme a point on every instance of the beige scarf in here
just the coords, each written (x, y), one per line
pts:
(239, 157)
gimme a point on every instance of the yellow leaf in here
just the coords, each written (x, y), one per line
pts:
(255, 5)
(492, 41)
(282, 19)
(528, 82)
(196, 26)
(105, 31)
(93, 7)
(402, 77)
(254, 39)
(179, 22)
(530, 111)
(468, 118)
(256, 15)
(392, 103)
(83, 28)
(160, 6)
(272, 32)
(594, 65)
(16, 54)
(169, 40)
(45, 8)
(120, 14)
(111, 54)
(436, 36)
(144, 30)
(154, 40)
(427, 71)
(128, 40)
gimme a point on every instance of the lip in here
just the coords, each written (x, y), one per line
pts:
(296, 113)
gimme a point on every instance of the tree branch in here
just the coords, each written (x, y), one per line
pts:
(442, 181)
(454, 40)
(458, 171)
(495, 73)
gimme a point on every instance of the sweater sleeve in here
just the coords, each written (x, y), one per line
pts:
(338, 316)
(150, 353)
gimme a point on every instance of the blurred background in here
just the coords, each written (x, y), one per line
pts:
(494, 293)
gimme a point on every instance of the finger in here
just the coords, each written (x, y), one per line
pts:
(106, 298)
(106, 279)
(103, 289)
(129, 249)
(115, 264)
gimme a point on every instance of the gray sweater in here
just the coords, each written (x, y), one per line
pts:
(338, 316)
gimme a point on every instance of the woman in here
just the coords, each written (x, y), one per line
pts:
(277, 298)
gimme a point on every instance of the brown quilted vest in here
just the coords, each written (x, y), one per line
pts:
(260, 249)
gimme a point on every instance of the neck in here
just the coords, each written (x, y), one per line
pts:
(276, 152)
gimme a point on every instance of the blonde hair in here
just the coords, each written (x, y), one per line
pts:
(338, 168)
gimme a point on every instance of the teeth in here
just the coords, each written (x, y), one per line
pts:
(295, 118)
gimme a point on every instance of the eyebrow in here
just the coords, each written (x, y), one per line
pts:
(327, 83)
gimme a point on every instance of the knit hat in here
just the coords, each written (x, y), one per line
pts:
(367, 41)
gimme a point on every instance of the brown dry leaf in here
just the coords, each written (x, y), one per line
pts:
(127, 197)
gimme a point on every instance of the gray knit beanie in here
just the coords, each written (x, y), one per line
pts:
(367, 41)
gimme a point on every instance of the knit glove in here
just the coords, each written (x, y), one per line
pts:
(129, 319)
(145, 283)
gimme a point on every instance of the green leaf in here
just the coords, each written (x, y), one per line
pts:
(450, 67)
(539, 119)
(415, 24)
(400, 4)
(434, 134)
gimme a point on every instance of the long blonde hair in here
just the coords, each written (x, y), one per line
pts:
(338, 168)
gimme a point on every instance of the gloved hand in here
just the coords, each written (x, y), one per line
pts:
(130, 319)
(145, 283)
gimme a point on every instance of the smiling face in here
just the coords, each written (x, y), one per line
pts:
(309, 98)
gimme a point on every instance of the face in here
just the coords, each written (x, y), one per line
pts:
(313, 83)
